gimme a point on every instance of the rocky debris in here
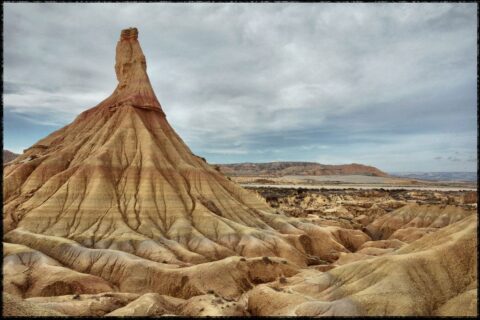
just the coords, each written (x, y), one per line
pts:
(355, 209)
(208, 305)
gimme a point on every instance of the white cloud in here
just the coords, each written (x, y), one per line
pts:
(262, 75)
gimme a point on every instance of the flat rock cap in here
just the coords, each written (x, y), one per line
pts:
(130, 33)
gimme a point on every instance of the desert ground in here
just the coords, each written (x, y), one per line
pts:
(350, 181)
(113, 215)
(379, 245)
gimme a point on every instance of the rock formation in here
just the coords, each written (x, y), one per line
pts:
(435, 275)
(112, 215)
(415, 217)
(116, 198)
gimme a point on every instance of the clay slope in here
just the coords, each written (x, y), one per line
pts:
(410, 222)
(433, 276)
(14, 307)
(298, 168)
(116, 198)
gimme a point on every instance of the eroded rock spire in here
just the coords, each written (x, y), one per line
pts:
(134, 86)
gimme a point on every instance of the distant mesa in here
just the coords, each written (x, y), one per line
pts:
(298, 168)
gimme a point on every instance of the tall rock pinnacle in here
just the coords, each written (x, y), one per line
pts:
(134, 86)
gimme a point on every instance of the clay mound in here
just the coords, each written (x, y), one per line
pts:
(416, 216)
(370, 249)
(15, 307)
(435, 275)
(30, 273)
(149, 304)
(129, 273)
(383, 244)
(411, 234)
(85, 305)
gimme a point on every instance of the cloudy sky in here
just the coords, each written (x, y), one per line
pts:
(389, 85)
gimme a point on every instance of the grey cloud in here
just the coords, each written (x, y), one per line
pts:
(241, 78)
(455, 159)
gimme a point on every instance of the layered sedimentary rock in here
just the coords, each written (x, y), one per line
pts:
(418, 219)
(118, 199)
(435, 275)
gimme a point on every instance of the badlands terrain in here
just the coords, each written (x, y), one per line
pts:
(113, 215)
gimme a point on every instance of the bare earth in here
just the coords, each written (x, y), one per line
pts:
(357, 186)
(349, 181)
(113, 215)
